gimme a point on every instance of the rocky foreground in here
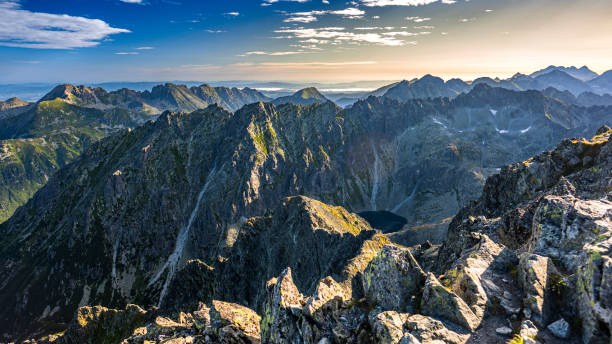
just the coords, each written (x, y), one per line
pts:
(531, 259)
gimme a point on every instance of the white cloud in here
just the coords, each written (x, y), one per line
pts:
(312, 16)
(339, 35)
(301, 19)
(132, 1)
(349, 12)
(325, 2)
(268, 2)
(381, 3)
(274, 53)
(417, 19)
(145, 48)
(37, 30)
(398, 33)
(127, 53)
(233, 14)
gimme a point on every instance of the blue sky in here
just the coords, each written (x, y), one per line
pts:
(306, 40)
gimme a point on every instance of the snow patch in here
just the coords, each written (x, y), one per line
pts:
(502, 131)
(437, 121)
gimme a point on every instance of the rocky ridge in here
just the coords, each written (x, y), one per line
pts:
(161, 98)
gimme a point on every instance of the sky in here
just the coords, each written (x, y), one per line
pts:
(87, 41)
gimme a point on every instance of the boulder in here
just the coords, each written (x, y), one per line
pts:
(560, 329)
(234, 320)
(442, 302)
(533, 273)
(388, 326)
(393, 278)
(282, 310)
(429, 330)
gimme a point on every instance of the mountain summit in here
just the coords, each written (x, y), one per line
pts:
(583, 73)
(306, 96)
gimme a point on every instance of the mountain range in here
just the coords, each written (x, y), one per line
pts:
(121, 223)
(399, 214)
(571, 79)
(32, 170)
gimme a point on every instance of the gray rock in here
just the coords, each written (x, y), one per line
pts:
(409, 339)
(503, 331)
(388, 327)
(534, 271)
(439, 301)
(528, 329)
(282, 310)
(560, 329)
(392, 277)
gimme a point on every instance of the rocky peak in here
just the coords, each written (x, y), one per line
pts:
(77, 95)
(304, 96)
(12, 103)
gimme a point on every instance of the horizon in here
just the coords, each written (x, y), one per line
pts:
(301, 82)
(306, 41)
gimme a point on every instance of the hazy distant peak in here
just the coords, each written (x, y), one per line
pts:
(310, 92)
(12, 103)
(583, 73)
(305, 96)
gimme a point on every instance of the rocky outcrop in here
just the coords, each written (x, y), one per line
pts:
(439, 301)
(282, 311)
(392, 280)
(102, 325)
(534, 272)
